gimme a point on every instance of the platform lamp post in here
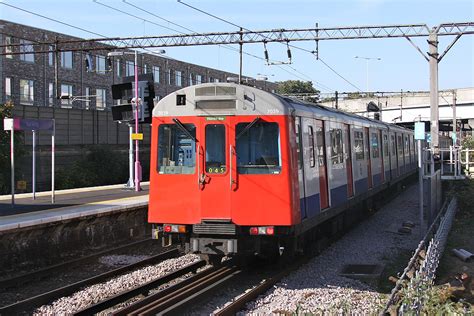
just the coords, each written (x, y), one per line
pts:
(137, 104)
(367, 59)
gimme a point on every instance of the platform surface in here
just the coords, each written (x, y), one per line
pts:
(74, 203)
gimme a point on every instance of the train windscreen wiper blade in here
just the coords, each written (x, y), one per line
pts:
(248, 127)
(184, 129)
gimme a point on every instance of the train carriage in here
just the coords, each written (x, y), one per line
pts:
(239, 170)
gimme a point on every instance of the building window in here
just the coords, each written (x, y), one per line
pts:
(26, 50)
(177, 78)
(198, 79)
(359, 145)
(27, 91)
(50, 94)
(51, 56)
(66, 60)
(100, 101)
(129, 68)
(87, 95)
(8, 47)
(118, 67)
(8, 88)
(168, 76)
(145, 68)
(191, 79)
(211, 79)
(156, 74)
(100, 64)
(66, 89)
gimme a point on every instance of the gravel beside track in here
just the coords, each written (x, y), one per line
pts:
(317, 286)
(99, 292)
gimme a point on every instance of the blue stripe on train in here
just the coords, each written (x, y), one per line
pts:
(361, 186)
(377, 179)
(313, 206)
(338, 195)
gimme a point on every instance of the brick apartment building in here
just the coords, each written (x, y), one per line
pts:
(28, 80)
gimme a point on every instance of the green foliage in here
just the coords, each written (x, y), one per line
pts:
(468, 142)
(295, 86)
(100, 166)
(6, 111)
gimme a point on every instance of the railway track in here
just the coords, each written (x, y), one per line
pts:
(22, 279)
(179, 296)
(45, 298)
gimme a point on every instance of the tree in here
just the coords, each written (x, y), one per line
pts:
(296, 87)
(6, 110)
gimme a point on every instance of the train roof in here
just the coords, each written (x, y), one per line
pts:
(219, 98)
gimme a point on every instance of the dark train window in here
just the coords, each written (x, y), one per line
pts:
(337, 150)
(359, 145)
(312, 160)
(176, 149)
(215, 148)
(258, 148)
(407, 146)
(374, 143)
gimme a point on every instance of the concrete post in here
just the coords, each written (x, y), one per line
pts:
(434, 102)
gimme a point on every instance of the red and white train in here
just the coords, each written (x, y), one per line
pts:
(237, 170)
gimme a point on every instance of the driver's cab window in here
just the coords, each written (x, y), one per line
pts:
(176, 149)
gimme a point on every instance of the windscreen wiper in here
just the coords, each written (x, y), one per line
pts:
(184, 129)
(248, 127)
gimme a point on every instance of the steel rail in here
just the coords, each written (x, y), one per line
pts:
(177, 296)
(142, 289)
(44, 272)
(44, 298)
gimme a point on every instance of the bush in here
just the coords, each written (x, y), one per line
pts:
(101, 166)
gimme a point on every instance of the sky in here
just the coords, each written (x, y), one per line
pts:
(396, 66)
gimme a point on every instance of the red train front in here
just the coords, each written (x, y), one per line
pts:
(220, 178)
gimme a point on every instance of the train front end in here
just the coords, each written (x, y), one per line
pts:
(221, 170)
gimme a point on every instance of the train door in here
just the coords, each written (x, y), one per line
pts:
(214, 173)
(382, 156)
(348, 158)
(386, 156)
(310, 169)
(322, 167)
(301, 176)
(369, 160)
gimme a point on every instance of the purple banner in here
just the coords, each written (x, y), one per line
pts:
(33, 124)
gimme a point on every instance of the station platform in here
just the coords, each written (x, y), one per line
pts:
(69, 204)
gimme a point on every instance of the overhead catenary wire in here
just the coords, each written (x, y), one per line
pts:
(266, 52)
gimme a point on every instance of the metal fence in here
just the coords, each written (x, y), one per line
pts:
(420, 271)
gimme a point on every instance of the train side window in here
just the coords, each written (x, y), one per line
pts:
(407, 146)
(374, 142)
(337, 150)
(215, 148)
(399, 145)
(385, 145)
(394, 147)
(176, 149)
(321, 146)
(359, 145)
(258, 148)
(299, 143)
(312, 160)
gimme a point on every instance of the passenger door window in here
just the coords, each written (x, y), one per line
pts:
(215, 148)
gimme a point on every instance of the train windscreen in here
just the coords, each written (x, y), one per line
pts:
(258, 148)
